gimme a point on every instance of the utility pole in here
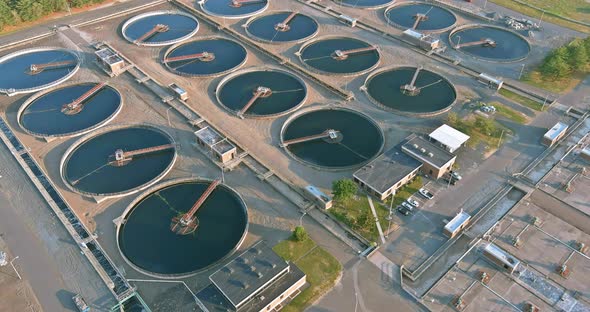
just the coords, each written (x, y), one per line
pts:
(501, 135)
(15, 270)
(521, 71)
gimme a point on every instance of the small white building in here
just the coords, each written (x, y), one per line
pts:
(490, 81)
(501, 258)
(448, 137)
(458, 223)
(554, 134)
(318, 197)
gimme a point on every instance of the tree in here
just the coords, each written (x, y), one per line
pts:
(344, 189)
(6, 15)
(578, 57)
(300, 234)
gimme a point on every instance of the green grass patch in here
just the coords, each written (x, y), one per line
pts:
(321, 268)
(574, 9)
(510, 113)
(522, 100)
(556, 85)
(480, 129)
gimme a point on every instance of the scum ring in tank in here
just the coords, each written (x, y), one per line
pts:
(159, 28)
(410, 90)
(365, 4)
(260, 93)
(118, 160)
(420, 16)
(182, 227)
(233, 8)
(205, 57)
(70, 110)
(490, 43)
(35, 69)
(332, 138)
(339, 55)
(281, 27)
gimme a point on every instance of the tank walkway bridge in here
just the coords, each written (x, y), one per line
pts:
(282, 185)
(515, 86)
(90, 247)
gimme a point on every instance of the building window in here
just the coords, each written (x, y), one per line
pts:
(282, 296)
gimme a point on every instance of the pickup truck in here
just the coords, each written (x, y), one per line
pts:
(424, 192)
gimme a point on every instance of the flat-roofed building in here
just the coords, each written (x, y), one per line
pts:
(448, 137)
(435, 160)
(554, 134)
(110, 60)
(458, 223)
(257, 280)
(318, 197)
(223, 150)
(387, 173)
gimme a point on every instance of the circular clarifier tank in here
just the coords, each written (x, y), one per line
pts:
(490, 43)
(36, 69)
(261, 92)
(205, 57)
(281, 27)
(160, 28)
(411, 90)
(118, 160)
(422, 16)
(339, 55)
(234, 8)
(152, 239)
(70, 110)
(332, 138)
(365, 4)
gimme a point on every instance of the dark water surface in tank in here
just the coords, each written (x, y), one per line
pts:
(179, 25)
(287, 92)
(300, 27)
(363, 3)
(15, 72)
(228, 55)
(147, 241)
(320, 56)
(509, 46)
(43, 116)
(223, 7)
(87, 168)
(361, 139)
(385, 89)
(438, 18)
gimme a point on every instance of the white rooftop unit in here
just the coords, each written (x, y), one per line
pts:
(319, 197)
(457, 224)
(426, 42)
(350, 21)
(501, 258)
(450, 138)
(555, 133)
(492, 82)
(585, 153)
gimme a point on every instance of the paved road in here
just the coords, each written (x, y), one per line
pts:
(97, 12)
(48, 257)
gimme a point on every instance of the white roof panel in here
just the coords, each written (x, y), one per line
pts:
(449, 136)
(554, 132)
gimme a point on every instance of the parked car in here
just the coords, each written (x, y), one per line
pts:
(407, 205)
(404, 210)
(456, 175)
(413, 202)
(447, 178)
(424, 192)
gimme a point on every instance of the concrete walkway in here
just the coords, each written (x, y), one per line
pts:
(376, 219)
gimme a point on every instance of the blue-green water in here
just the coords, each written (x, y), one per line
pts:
(287, 92)
(300, 27)
(87, 168)
(228, 54)
(319, 55)
(361, 139)
(509, 46)
(15, 71)
(385, 89)
(223, 7)
(438, 18)
(43, 116)
(180, 26)
(147, 241)
(364, 3)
